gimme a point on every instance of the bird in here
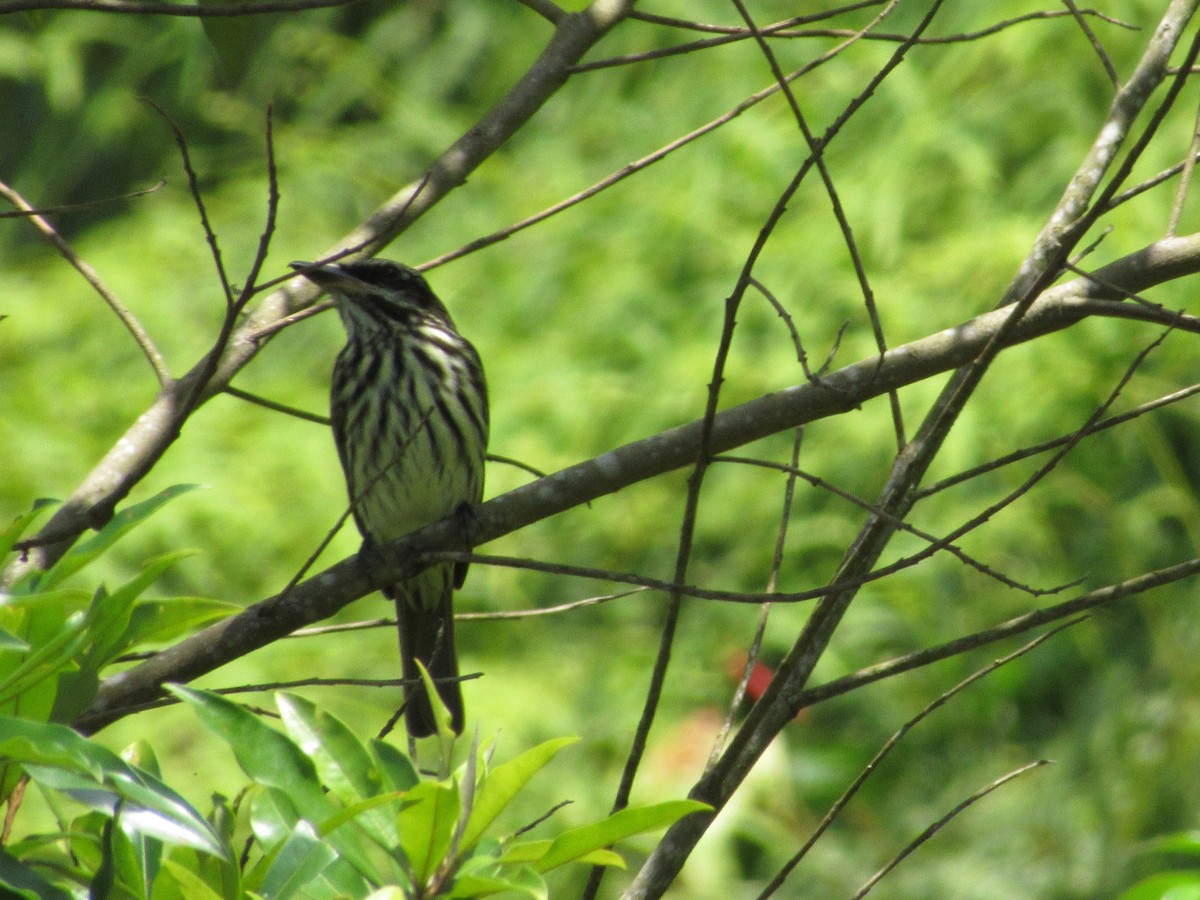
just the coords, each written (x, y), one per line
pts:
(409, 409)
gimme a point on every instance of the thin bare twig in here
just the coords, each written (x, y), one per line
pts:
(835, 810)
(86, 204)
(839, 212)
(274, 406)
(733, 34)
(516, 464)
(705, 450)
(1141, 187)
(688, 25)
(1035, 449)
(640, 164)
(1185, 181)
(700, 466)
(210, 235)
(789, 323)
(140, 336)
(502, 615)
(1105, 60)
(188, 10)
(266, 331)
(525, 829)
(764, 612)
(264, 240)
(1021, 624)
(941, 823)
(876, 510)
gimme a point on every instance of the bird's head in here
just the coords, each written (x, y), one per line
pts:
(376, 295)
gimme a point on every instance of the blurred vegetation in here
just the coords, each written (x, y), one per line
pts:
(597, 327)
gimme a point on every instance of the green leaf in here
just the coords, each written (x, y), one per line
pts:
(236, 39)
(10, 643)
(267, 756)
(524, 881)
(57, 757)
(299, 860)
(529, 852)
(142, 755)
(109, 616)
(161, 620)
(224, 872)
(397, 767)
(1166, 886)
(427, 824)
(503, 783)
(355, 812)
(23, 881)
(603, 857)
(134, 856)
(441, 713)
(149, 809)
(1184, 843)
(47, 660)
(74, 692)
(272, 814)
(68, 600)
(343, 764)
(117, 527)
(188, 883)
(21, 523)
(273, 760)
(571, 845)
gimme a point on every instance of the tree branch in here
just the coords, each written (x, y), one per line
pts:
(323, 594)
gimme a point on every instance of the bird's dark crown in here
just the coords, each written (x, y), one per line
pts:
(383, 273)
(387, 287)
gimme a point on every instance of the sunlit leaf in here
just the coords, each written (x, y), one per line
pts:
(300, 859)
(427, 824)
(571, 845)
(188, 884)
(59, 758)
(503, 783)
(523, 882)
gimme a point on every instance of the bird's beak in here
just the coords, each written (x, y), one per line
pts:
(329, 275)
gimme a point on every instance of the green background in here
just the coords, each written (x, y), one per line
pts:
(598, 327)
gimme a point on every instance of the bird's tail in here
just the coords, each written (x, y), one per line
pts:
(427, 634)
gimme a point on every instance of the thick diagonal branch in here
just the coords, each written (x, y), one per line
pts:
(844, 390)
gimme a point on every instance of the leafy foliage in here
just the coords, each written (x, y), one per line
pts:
(324, 815)
(56, 639)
